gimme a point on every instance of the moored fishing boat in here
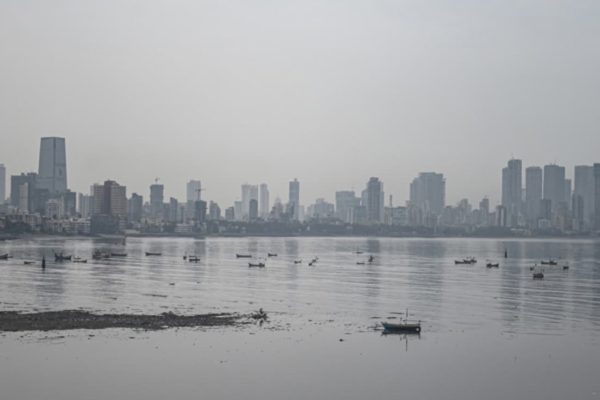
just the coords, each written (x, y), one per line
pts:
(62, 257)
(243, 255)
(404, 326)
(150, 253)
(257, 265)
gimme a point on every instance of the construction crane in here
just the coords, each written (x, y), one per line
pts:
(199, 192)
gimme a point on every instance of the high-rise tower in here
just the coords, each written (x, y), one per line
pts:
(533, 193)
(294, 197)
(2, 183)
(512, 190)
(52, 173)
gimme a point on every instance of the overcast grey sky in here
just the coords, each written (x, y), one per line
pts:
(330, 92)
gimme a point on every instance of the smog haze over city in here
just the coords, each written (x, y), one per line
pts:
(265, 199)
(329, 92)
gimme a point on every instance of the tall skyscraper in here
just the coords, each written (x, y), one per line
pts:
(2, 184)
(264, 206)
(584, 188)
(249, 192)
(345, 202)
(253, 210)
(597, 196)
(533, 193)
(512, 190)
(157, 195)
(428, 193)
(135, 207)
(554, 185)
(22, 191)
(214, 211)
(110, 198)
(193, 190)
(294, 197)
(85, 205)
(52, 173)
(375, 200)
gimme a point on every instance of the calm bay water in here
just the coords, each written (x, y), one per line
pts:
(488, 333)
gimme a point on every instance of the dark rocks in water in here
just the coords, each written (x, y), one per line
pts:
(12, 321)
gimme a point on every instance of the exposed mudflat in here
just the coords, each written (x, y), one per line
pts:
(11, 321)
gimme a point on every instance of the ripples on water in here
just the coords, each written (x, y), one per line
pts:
(418, 274)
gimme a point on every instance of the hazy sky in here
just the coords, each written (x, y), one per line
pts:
(330, 92)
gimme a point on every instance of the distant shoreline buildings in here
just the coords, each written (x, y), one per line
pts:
(546, 203)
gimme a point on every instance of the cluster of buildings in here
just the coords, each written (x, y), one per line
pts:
(548, 201)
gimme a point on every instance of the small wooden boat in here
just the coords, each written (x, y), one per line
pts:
(243, 256)
(549, 262)
(531, 268)
(4, 256)
(456, 262)
(297, 261)
(28, 262)
(272, 254)
(80, 260)
(401, 327)
(492, 265)
(61, 257)
(371, 259)
(565, 267)
(538, 275)
(471, 260)
(118, 254)
(358, 252)
(150, 254)
(405, 326)
(360, 263)
(193, 258)
(257, 265)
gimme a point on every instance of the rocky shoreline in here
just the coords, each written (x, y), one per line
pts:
(12, 321)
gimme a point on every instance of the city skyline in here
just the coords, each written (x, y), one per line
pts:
(183, 192)
(268, 93)
(515, 196)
